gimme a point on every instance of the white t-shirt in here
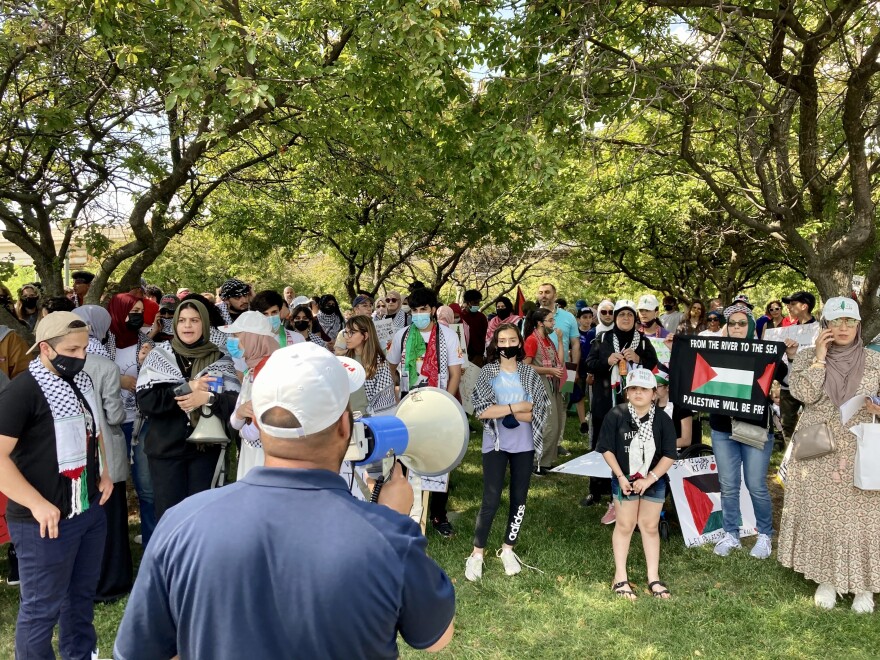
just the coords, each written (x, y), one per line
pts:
(711, 333)
(454, 356)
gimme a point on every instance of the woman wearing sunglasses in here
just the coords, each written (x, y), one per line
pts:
(773, 318)
(738, 462)
(830, 530)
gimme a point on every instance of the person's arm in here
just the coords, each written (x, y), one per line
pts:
(157, 400)
(574, 343)
(105, 483)
(17, 359)
(687, 432)
(454, 379)
(18, 489)
(807, 377)
(498, 411)
(617, 473)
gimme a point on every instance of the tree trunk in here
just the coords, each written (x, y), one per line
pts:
(8, 319)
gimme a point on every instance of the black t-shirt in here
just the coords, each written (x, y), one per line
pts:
(678, 414)
(618, 432)
(26, 416)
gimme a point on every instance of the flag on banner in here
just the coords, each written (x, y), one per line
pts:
(723, 375)
(520, 301)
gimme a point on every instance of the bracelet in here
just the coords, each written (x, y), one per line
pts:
(817, 365)
(656, 478)
(511, 408)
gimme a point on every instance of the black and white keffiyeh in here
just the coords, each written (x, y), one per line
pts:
(74, 424)
(643, 447)
(97, 348)
(380, 390)
(224, 312)
(533, 386)
(398, 321)
(331, 324)
(618, 383)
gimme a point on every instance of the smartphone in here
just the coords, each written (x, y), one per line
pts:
(182, 390)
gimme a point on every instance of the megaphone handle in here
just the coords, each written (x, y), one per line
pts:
(377, 488)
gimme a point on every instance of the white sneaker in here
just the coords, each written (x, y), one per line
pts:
(826, 596)
(473, 568)
(727, 543)
(763, 547)
(863, 603)
(511, 562)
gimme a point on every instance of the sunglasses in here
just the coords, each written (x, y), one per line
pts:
(606, 313)
(391, 300)
(838, 323)
(776, 309)
(714, 320)
(739, 324)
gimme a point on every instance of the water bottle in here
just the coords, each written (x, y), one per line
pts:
(216, 385)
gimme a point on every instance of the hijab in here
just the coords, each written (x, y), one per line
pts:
(256, 347)
(600, 326)
(203, 352)
(446, 315)
(844, 368)
(97, 318)
(119, 307)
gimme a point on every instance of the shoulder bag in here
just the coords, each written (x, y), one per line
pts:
(748, 434)
(812, 441)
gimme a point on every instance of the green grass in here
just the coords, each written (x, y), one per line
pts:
(736, 607)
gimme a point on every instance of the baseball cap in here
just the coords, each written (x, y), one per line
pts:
(361, 299)
(649, 302)
(300, 300)
(641, 378)
(624, 304)
(55, 325)
(839, 307)
(309, 382)
(584, 310)
(802, 297)
(253, 322)
(715, 314)
(182, 293)
(168, 303)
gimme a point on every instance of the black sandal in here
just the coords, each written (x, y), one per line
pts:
(659, 594)
(619, 590)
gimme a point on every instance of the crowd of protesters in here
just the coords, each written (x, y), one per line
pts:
(117, 389)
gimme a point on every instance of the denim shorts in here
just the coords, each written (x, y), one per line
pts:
(656, 492)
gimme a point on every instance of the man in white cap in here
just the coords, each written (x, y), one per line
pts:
(55, 485)
(286, 561)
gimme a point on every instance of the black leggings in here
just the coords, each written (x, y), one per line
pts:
(494, 471)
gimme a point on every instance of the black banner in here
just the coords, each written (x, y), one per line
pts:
(723, 375)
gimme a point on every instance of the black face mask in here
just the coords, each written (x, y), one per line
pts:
(648, 324)
(29, 302)
(301, 325)
(668, 308)
(503, 313)
(67, 366)
(508, 351)
(328, 308)
(134, 321)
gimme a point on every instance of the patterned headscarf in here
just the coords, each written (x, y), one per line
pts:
(233, 288)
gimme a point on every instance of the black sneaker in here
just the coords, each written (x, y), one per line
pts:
(443, 527)
(562, 451)
(585, 428)
(12, 556)
(589, 500)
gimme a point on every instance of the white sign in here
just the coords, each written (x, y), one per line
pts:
(661, 348)
(432, 484)
(696, 490)
(385, 332)
(589, 465)
(466, 388)
(459, 330)
(805, 335)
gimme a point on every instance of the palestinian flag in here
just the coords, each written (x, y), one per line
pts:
(520, 301)
(703, 493)
(723, 375)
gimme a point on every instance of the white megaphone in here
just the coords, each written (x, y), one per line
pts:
(429, 434)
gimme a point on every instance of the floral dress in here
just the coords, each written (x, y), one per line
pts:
(830, 530)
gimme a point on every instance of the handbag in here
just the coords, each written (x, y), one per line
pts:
(209, 430)
(866, 471)
(812, 441)
(748, 434)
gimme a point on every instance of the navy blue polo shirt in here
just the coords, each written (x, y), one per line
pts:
(285, 563)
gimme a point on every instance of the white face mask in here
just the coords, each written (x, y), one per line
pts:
(405, 309)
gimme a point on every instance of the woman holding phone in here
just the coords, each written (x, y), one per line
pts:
(830, 530)
(175, 382)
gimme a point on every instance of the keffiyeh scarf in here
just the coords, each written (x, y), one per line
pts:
(75, 426)
(484, 396)
(331, 324)
(380, 390)
(643, 447)
(618, 382)
(398, 321)
(97, 348)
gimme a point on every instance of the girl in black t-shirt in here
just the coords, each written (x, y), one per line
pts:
(638, 443)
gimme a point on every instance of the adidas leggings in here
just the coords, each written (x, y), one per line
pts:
(494, 470)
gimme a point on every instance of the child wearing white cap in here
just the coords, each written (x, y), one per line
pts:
(639, 447)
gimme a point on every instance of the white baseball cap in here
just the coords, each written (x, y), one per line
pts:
(641, 378)
(309, 382)
(253, 322)
(624, 304)
(649, 302)
(300, 300)
(840, 307)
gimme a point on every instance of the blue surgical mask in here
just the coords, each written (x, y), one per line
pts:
(474, 308)
(422, 320)
(276, 323)
(233, 347)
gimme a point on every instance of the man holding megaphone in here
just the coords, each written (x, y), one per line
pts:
(286, 562)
